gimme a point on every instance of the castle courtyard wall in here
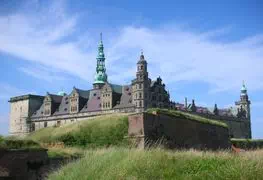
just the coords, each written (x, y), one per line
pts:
(172, 132)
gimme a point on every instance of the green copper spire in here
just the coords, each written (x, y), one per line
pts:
(243, 89)
(101, 76)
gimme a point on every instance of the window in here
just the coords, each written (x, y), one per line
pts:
(58, 123)
(129, 93)
(108, 104)
(140, 95)
(66, 102)
(33, 127)
(72, 120)
(65, 109)
(47, 112)
(136, 95)
(145, 95)
(94, 94)
(127, 89)
(141, 67)
(103, 105)
(140, 103)
(140, 86)
(45, 124)
(73, 108)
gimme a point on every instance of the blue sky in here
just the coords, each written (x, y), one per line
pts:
(202, 50)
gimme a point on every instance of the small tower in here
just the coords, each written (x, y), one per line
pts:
(100, 76)
(244, 104)
(215, 110)
(140, 85)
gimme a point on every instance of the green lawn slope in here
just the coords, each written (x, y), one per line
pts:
(122, 163)
(103, 131)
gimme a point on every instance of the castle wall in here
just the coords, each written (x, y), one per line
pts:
(18, 117)
(176, 132)
(70, 118)
(238, 127)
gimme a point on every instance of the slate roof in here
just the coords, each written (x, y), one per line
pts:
(126, 97)
(56, 98)
(63, 107)
(94, 102)
(39, 112)
(116, 88)
(83, 93)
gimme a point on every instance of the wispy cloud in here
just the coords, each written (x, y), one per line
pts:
(43, 73)
(8, 91)
(175, 53)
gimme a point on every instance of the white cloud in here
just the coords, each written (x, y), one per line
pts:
(175, 53)
(8, 91)
(43, 73)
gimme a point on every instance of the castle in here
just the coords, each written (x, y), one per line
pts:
(32, 112)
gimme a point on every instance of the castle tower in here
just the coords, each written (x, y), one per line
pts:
(243, 104)
(140, 85)
(243, 107)
(101, 76)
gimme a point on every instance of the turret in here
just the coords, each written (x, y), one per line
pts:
(100, 77)
(243, 104)
(140, 85)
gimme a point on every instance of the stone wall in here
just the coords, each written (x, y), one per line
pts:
(28, 164)
(238, 127)
(173, 132)
(18, 117)
(22, 164)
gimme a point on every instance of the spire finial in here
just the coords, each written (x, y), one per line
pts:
(243, 83)
(101, 37)
(141, 51)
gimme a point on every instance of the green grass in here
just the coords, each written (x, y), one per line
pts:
(65, 152)
(6, 143)
(121, 163)
(101, 131)
(185, 115)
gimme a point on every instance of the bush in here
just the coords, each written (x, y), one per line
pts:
(18, 144)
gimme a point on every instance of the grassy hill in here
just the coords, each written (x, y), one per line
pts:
(97, 132)
(122, 163)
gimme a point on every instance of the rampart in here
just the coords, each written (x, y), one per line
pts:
(176, 132)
